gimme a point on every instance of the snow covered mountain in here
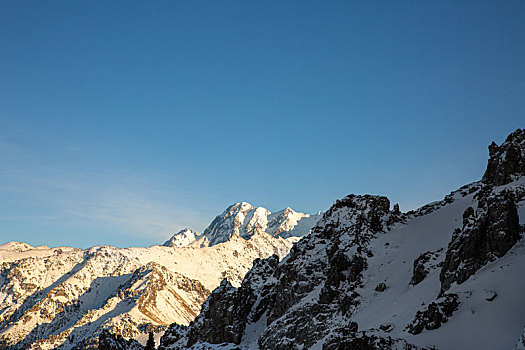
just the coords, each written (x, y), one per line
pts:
(449, 275)
(243, 219)
(446, 276)
(65, 297)
(183, 238)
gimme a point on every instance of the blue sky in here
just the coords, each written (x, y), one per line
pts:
(123, 122)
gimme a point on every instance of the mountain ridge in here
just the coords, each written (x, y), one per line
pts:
(66, 297)
(243, 219)
(369, 277)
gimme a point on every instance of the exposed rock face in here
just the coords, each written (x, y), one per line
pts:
(299, 296)
(491, 227)
(434, 315)
(318, 292)
(228, 310)
(363, 341)
(110, 341)
(422, 266)
(334, 277)
(329, 264)
(507, 162)
(174, 335)
(487, 234)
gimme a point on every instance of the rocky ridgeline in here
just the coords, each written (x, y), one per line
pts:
(491, 228)
(297, 298)
(488, 232)
(244, 220)
(149, 281)
(316, 294)
(507, 162)
(235, 305)
(312, 295)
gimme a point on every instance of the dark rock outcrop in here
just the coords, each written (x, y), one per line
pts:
(331, 260)
(487, 234)
(110, 341)
(364, 341)
(226, 312)
(507, 162)
(420, 270)
(176, 333)
(434, 315)
(381, 287)
(300, 295)
(422, 266)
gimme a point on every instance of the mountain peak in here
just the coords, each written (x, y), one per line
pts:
(239, 206)
(15, 246)
(183, 238)
(243, 219)
(507, 162)
(287, 210)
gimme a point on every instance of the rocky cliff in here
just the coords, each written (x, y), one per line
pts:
(371, 277)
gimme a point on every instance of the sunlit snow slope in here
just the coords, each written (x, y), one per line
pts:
(63, 296)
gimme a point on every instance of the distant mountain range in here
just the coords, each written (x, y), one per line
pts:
(65, 297)
(244, 220)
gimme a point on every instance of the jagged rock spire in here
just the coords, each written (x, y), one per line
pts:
(507, 162)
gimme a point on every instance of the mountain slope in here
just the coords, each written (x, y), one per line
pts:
(65, 297)
(447, 276)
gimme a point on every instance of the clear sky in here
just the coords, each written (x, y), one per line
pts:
(123, 122)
